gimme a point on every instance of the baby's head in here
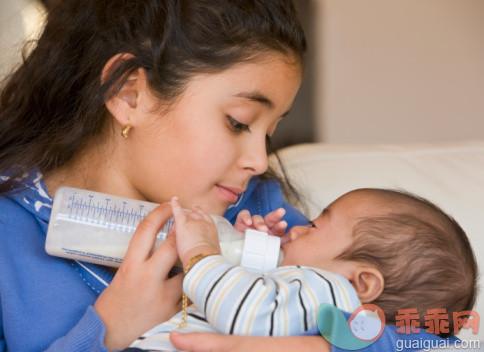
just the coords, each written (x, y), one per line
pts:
(399, 251)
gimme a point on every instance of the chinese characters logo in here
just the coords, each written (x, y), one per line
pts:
(436, 321)
(367, 322)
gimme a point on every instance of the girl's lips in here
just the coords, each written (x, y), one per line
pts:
(229, 193)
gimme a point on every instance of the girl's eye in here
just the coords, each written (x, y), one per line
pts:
(237, 126)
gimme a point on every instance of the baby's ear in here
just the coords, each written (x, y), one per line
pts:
(368, 283)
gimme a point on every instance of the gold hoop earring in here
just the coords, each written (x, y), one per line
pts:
(125, 129)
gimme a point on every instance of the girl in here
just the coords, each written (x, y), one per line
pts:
(143, 99)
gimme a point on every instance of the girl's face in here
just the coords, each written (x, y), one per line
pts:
(211, 141)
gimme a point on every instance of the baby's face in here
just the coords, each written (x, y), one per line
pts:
(318, 244)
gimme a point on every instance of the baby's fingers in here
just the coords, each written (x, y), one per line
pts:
(274, 217)
(202, 213)
(243, 221)
(259, 223)
(178, 213)
(279, 229)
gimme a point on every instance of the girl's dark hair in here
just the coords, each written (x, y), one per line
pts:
(54, 103)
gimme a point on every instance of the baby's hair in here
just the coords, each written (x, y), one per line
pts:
(424, 255)
(53, 104)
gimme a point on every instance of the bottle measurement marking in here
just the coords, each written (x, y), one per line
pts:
(105, 214)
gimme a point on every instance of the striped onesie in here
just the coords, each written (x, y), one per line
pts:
(228, 299)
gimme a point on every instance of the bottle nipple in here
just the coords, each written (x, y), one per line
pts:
(262, 252)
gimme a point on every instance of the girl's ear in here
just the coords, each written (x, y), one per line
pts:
(123, 105)
(368, 283)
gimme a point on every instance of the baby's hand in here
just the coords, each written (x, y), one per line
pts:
(271, 223)
(195, 232)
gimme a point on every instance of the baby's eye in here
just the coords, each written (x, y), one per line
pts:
(312, 224)
(237, 126)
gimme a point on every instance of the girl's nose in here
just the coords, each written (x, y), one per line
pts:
(254, 156)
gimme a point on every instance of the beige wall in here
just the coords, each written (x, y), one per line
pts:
(19, 20)
(399, 70)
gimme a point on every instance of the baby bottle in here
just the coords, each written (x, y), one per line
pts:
(96, 227)
(257, 251)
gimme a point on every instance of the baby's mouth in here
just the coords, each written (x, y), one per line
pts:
(285, 239)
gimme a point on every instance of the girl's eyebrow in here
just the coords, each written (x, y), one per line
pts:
(260, 98)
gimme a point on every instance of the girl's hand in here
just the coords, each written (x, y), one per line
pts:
(271, 223)
(210, 342)
(196, 232)
(140, 295)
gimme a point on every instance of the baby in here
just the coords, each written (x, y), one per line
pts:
(384, 247)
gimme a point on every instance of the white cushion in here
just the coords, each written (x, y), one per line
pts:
(451, 175)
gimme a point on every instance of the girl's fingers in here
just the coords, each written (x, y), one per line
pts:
(202, 342)
(144, 237)
(211, 342)
(175, 287)
(259, 223)
(171, 231)
(274, 217)
(165, 257)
